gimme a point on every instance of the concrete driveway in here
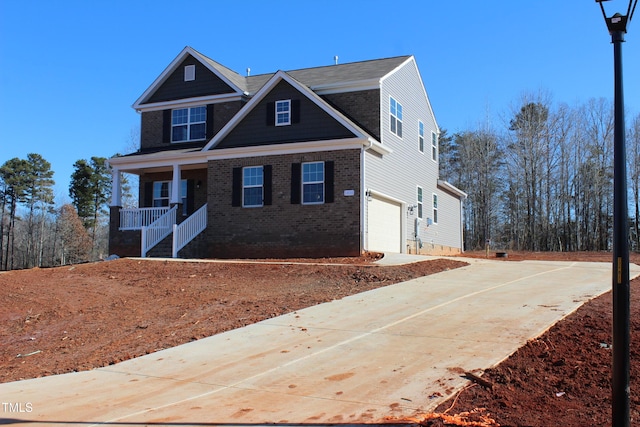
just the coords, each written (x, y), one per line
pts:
(387, 352)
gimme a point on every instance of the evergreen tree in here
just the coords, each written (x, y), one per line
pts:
(14, 174)
(90, 189)
(80, 190)
(38, 196)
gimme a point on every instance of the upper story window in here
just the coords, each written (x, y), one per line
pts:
(395, 117)
(419, 202)
(188, 124)
(421, 136)
(283, 112)
(434, 146)
(312, 183)
(252, 186)
(435, 208)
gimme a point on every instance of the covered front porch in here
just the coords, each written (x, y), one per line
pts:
(171, 211)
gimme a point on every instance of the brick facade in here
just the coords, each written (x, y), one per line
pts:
(122, 243)
(151, 125)
(151, 130)
(283, 229)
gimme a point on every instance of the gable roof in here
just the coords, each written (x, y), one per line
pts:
(354, 74)
(304, 90)
(228, 76)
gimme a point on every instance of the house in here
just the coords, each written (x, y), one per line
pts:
(326, 161)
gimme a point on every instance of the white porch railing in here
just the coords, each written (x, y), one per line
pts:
(135, 219)
(153, 233)
(188, 229)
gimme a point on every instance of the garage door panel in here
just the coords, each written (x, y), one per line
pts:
(384, 220)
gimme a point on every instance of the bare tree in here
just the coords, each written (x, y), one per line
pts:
(526, 151)
(476, 163)
(76, 242)
(595, 174)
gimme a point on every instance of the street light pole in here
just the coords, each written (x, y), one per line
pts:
(621, 289)
(617, 25)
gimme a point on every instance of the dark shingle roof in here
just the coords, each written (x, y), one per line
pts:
(228, 73)
(351, 72)
(373, 69)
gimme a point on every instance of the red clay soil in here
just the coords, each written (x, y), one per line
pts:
(81, 317)
(562, 378)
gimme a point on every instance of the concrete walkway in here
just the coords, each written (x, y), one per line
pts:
(386, 352)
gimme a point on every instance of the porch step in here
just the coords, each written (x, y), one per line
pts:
(196, 248)
(162, 249)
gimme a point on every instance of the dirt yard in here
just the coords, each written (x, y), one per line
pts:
(81, 317)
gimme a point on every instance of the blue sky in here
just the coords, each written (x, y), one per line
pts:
(70, 70)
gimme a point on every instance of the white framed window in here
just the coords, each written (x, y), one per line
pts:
(420, 202)
(395, 117)
(189, 73)
(434, 146)
(252, 186)
(435, 208)
(312, 183)
(421, 136)
(162, 194)
(283, 112)
(188, 124)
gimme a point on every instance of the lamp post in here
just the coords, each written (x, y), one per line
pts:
(617, 26)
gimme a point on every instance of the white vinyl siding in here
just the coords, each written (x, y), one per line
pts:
(399, 173)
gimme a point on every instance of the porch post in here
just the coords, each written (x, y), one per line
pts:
(176, 197)
(116, 187)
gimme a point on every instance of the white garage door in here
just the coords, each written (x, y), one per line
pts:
(384, 225)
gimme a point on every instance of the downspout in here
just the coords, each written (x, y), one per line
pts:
(364, 241)
(462, 224)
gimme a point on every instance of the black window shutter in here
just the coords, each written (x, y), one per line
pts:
(328, 182)
(295, 111)
(148, 194)
(271, 113)
(166, 126)
(209, 124)
(296, 177)
(190, 196)
(236, 193)
(267, 188)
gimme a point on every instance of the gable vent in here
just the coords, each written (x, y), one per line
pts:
(189, 73)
